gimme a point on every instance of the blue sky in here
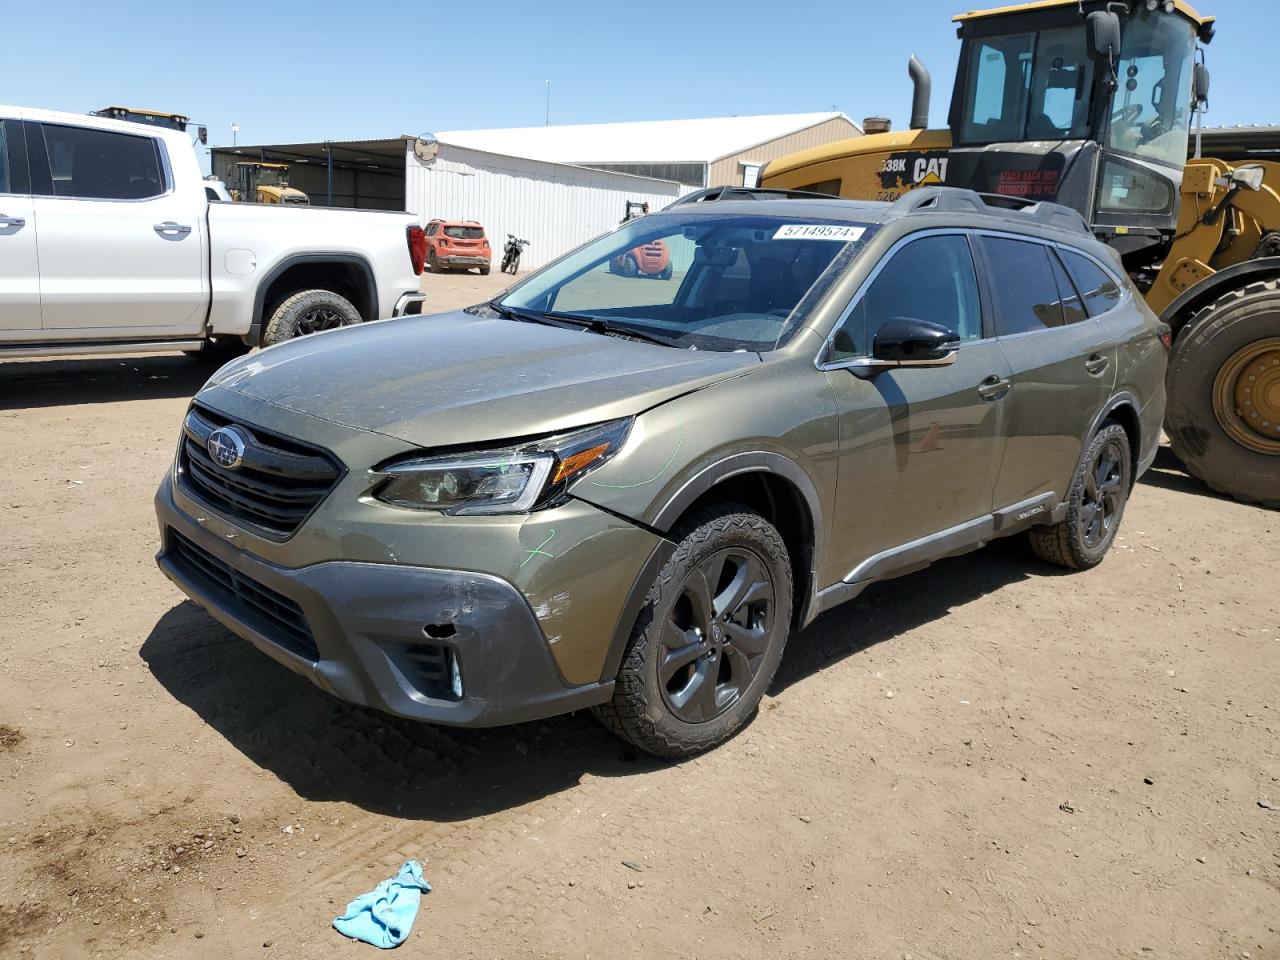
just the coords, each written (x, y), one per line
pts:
(328, 69)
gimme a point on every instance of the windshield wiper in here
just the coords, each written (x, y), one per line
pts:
(603, 326)
(578, 321)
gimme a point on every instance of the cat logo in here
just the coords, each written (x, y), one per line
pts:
(930, 179)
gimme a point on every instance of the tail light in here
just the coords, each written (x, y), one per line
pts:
(1164, 333)
(417, 240)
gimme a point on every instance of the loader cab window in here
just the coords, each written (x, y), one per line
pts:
(1151, 112)
(1027, 86)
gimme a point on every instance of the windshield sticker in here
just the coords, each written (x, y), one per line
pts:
(818, 231)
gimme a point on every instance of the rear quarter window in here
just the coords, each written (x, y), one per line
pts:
(1098, 289)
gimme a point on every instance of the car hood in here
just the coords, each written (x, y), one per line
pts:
(455, 378)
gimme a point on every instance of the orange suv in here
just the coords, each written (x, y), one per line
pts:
(647, 260)
(457, 245)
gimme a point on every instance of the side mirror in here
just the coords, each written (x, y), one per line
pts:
(203, 133)
(1200, 86)
(1248, 177)
(906, 341)
(1102, 30)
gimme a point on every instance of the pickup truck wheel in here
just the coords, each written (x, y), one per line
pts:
(219, 350)
(310, 311)
(709, 637)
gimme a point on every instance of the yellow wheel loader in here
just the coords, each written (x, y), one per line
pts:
(261, 182)
(1091, 104)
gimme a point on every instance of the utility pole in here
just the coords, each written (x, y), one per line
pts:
(235, 129)
(548, 103)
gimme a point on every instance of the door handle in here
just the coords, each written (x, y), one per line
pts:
(12, 221)
(171, 229)
(993, 388)
(1096, 364)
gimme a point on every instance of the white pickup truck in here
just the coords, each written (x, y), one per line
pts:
(109, 243)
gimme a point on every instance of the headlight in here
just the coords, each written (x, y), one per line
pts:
(516, 479)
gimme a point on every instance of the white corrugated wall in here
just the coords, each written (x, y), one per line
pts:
(554, 206)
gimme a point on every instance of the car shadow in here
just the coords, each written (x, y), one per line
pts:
(326, 749)
(893, 607)
(63, 382)
(1168, 473)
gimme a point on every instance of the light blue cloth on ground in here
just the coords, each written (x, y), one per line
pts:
(385, 916)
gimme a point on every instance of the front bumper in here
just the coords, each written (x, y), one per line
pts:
(409, 305)
(380, 635)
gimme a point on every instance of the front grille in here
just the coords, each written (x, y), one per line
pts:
(272, 614)
(275, 487)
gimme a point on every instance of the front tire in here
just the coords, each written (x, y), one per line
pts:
(1095, 504)
(310, 311)
(1223, 416)
(709, 638)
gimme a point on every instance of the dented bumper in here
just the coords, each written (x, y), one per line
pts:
(440, 645)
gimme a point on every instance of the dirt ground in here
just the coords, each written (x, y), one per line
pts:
(986, 759)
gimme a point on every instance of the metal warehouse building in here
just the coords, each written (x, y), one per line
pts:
(697, 153)
(554, 186)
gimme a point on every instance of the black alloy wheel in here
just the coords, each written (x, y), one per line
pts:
(716, 634)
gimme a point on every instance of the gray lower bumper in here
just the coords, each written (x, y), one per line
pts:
(375, 626)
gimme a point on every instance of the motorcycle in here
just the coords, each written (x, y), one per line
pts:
(511, 254)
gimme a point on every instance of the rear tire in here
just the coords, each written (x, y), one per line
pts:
(433, 262)
(630, 269)
(310, 311)
(666, 273)
(484, 271)
(1211, 347)
(1095, 504)
(709, 638)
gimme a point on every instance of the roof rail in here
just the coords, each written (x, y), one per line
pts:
(959, 200)
(746, 193)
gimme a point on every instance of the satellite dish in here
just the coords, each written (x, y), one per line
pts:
(426, 148)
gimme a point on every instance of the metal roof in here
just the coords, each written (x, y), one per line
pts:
(647, 141)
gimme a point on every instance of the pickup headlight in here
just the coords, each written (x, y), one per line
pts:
(515, 479)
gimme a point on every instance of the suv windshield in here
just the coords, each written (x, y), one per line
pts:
(465, 233)
(714, 282)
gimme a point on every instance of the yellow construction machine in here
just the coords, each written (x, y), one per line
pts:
(260, 182)
(1091, 103)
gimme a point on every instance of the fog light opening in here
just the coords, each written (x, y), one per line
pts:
(440, 631)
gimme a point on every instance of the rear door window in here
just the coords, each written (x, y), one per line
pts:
(1026, 293)
(928, 279)
(1099, 290)
(101, 164)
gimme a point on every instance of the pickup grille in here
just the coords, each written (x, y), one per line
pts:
(271, 492)
(272, 614)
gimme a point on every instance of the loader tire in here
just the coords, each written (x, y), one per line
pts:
(1223, 413)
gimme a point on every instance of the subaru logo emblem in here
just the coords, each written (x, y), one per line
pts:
(226, 448)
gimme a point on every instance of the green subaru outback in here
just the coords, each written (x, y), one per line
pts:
(612, 492)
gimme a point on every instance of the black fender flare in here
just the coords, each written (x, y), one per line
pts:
(1117, 400)
(298, 259)
(1211, 288)
(756, 461)
(734, 465)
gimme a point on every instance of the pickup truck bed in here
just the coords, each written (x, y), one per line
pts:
(108, 242)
